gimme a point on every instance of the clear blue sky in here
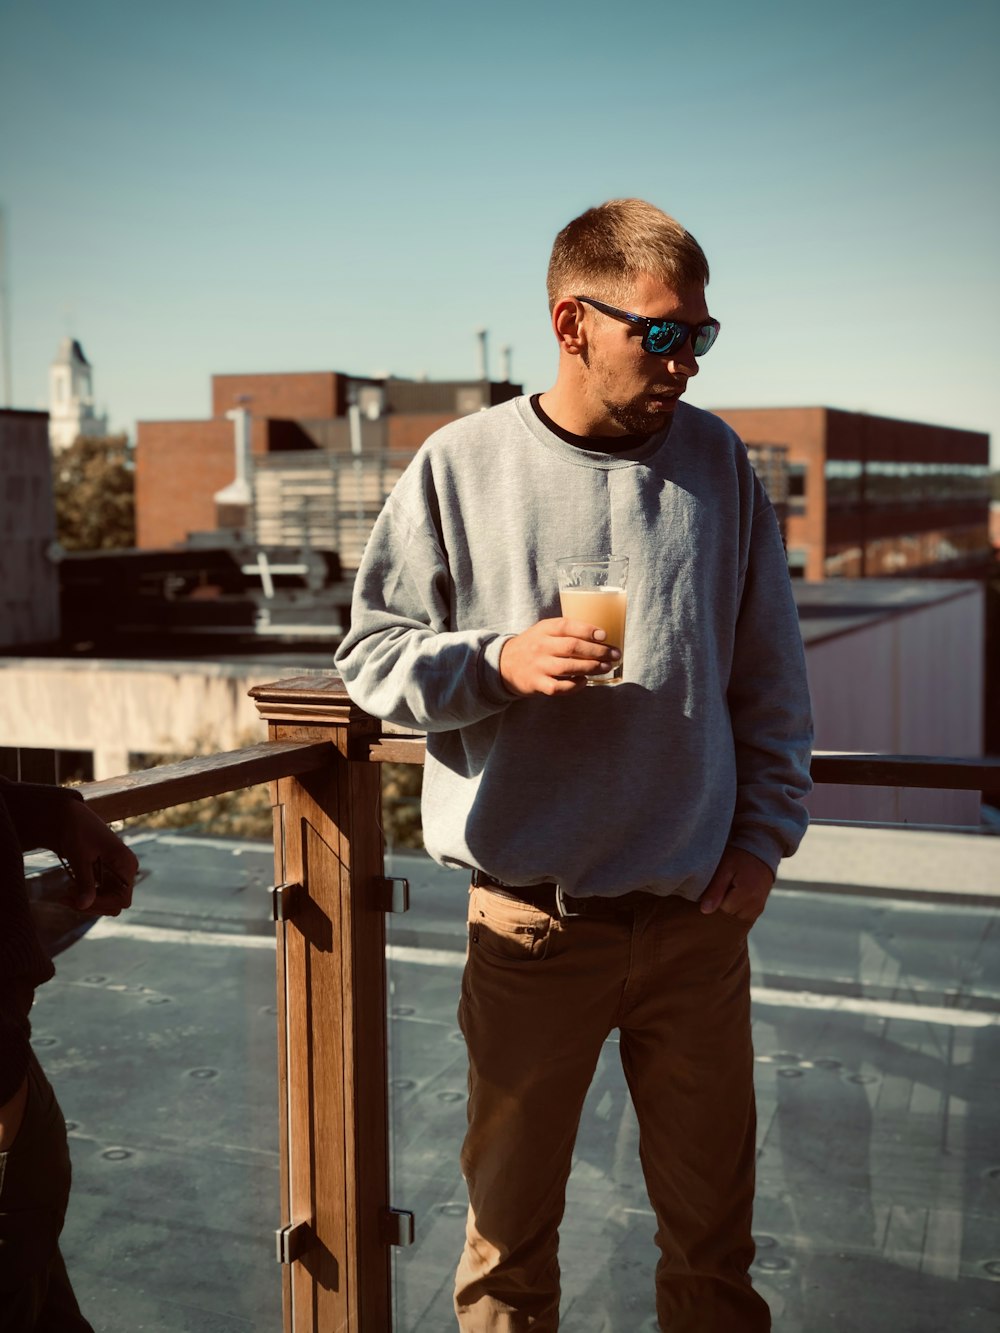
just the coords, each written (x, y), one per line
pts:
(247, 186)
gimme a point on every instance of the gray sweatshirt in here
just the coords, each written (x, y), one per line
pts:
(605, 791)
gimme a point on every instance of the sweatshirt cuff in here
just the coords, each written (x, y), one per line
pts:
(493, 685)
(759, 844)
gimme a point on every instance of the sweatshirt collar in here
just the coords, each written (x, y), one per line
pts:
(592, 458)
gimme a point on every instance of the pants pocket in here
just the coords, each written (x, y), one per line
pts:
(506, 930)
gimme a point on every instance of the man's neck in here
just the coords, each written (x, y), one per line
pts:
(567, 411)
(594, 437)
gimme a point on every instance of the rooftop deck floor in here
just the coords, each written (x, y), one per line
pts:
(877, 1032)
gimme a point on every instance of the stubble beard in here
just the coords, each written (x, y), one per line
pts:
(636, 417)
(633, 417)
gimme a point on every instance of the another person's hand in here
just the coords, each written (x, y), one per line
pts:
(103, 867)
(555, 657)
(740, 885)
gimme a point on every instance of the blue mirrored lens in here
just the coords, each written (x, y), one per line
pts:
(663, 338)
(667, 336)
(704, 337)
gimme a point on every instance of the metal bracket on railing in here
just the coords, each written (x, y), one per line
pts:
(392, 895)
(397, 1227)
(293, 1241)
(284, 899)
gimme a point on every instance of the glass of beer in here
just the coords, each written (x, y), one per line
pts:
(593, 590)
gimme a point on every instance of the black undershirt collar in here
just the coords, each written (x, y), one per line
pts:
(601, 444)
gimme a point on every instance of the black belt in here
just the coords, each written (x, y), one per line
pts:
(548, 897)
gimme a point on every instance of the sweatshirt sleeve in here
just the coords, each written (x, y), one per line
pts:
(769, 703)
(401, 659)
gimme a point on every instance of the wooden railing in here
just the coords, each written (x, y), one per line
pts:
(322, 759)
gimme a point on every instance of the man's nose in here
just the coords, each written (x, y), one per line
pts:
(682, 361)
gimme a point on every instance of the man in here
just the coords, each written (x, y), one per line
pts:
(35, 1291)
(622, 840)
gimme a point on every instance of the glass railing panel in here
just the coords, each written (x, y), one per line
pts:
(876, 1030)
(159, 1035)
(877, 1004)
(428, 1072)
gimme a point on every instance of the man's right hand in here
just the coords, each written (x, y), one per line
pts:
(555, 657)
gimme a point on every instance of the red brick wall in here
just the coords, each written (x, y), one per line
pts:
(179, 466)
(802, 431)
(408, 430)
(296, 396)
(813, 434)
(856, 435)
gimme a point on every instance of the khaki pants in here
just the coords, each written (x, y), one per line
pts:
(539, 997)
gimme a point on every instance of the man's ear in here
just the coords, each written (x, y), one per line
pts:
(567, 324)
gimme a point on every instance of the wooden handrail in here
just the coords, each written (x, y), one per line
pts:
(311, 699)
(205, 775)
(316, 697)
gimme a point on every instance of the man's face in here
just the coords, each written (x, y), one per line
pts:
(629, 391)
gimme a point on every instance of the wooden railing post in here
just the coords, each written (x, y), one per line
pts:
(333, 1085)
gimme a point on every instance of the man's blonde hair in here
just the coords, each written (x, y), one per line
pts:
(603, 251)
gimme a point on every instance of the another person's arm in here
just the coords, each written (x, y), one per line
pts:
(57, 819)
(104, 868)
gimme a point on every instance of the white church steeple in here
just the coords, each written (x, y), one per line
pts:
(71, 397)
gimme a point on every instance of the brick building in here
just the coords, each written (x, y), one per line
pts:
(857, 495)
(865, 496)
(29, 581)
(310, 487)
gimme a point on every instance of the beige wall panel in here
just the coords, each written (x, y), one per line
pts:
(113, 708)
(909, 685)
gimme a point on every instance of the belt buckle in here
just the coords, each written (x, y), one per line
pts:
(561, 904)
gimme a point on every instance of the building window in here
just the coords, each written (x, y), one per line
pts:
(796, 488)
(889, 482)
(843, 481)
(797, 558)
(770, 462)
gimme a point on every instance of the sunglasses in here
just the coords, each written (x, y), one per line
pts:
(661, 336)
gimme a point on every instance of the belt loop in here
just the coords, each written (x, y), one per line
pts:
(561, 904)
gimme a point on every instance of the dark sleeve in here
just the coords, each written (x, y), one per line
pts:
(15, 1051)
(30, 816)
(36, 811)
